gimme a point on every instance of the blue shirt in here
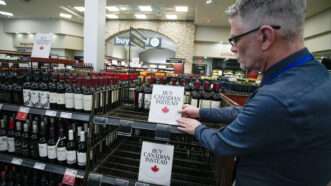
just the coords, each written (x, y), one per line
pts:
(282, 136)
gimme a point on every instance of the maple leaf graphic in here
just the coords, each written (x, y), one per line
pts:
(155, 168)
(165, 109)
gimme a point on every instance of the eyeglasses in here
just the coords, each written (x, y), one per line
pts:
(235, 39)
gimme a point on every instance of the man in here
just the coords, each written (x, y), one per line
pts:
(282, 136)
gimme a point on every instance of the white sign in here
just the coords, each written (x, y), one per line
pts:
(156, 163)
(166, 103)
(42, 45)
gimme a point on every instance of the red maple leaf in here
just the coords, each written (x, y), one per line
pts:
(165, 109)
(155, 168)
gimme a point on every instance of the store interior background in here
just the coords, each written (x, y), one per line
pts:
(199, 35)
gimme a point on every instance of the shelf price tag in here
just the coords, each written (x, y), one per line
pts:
(66, 115)
(121, 182)
(17, 161)
(69, 177)
(141, 184)
(22, 113)
(40, 166)
(50, 113)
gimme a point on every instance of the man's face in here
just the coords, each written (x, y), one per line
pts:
(247, 47)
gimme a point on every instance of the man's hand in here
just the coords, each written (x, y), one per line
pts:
(188, 125)
(190, 111)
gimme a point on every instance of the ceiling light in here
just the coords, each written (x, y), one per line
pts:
(123, 8)
(171, 16)
(112, 16)
(209, 2)
(113, 8)
(66, 16)
(79, 8)
(140, 16)
(145, 8)
(6, 14)
(181, 8)
(2, 2)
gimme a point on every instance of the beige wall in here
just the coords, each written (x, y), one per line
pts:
(212, 34)
(318, 32)
(6, 40)
(182, 33)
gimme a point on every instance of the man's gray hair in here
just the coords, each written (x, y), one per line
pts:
(289, 14)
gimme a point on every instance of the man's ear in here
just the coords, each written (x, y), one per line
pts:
(267, 37)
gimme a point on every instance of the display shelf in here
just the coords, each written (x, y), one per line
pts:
(85, 117)
(54, 61)
(47, 167)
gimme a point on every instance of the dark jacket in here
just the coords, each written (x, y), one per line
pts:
(282, 136)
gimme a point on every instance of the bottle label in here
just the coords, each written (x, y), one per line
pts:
(61, 153)
(53, 97)
(11, 144)
(140, 100)
(117, 95)
(44, 99)
(69, 100)
(71, 157)
(35, 97)
(101, 99)
(78, 101)
(42, 150)
(51, 152)
(87, 102)
(60, 99)
(107, 97)
(147, 101)
(215, 104)
(3, 143)
(81, 156)
(113, 96)
(26, 97)
(194, 102)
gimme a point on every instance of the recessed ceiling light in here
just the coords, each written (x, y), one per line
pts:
(9, 14)
(66, 16)
(80, 8)
(123, 8)
(209, 2)
(146, 8)
(2, 2)
(112, 16)
(171, 16)
(140, 16)
(113, 8)
(181, 8)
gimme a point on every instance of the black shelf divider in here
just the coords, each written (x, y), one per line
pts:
(43, 166)
(48, 112)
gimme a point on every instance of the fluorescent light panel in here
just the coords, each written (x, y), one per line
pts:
(9, 14)
(66, 16)
(79, 8)
(171, 16)
(113, 8)
(112, 16)
(181, 8)
(2, 2)
(146, 8)
(140, 16)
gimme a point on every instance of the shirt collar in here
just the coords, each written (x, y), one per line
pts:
(284, 62)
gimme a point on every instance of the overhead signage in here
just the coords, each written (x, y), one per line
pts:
(153, 42)
(156, 163)
(166, 103)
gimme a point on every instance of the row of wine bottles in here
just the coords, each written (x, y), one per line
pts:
(45, 139)
(19, 176)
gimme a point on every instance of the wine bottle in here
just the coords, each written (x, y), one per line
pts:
(196, 94)
(60, 89)
(18, 138)
(42, 144)
(69, 95)
(11, 136)
(52, 92)
(34, 148)
(25, 139)
(78, 96)
(61, 153)
(88, 95)
(147, 95)
(35, 96)
(217, 100)
(71, 149)
(27, 91)
(51, 145)
(81, 150)
(43, 91)
(3, 135)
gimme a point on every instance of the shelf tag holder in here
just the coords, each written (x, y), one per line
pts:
(162, 132)
(125, 128)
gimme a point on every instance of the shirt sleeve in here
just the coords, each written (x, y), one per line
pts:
(262, 124)
(219, 115)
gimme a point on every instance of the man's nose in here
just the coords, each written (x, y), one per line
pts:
(234, 49)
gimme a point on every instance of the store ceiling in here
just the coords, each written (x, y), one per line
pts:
(198, 10)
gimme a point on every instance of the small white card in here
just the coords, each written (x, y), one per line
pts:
(156, 163)
(42, 45)
(166, 103)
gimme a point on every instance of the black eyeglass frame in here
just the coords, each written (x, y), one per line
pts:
(234, 39)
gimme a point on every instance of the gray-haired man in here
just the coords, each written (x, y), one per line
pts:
(282, 136)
